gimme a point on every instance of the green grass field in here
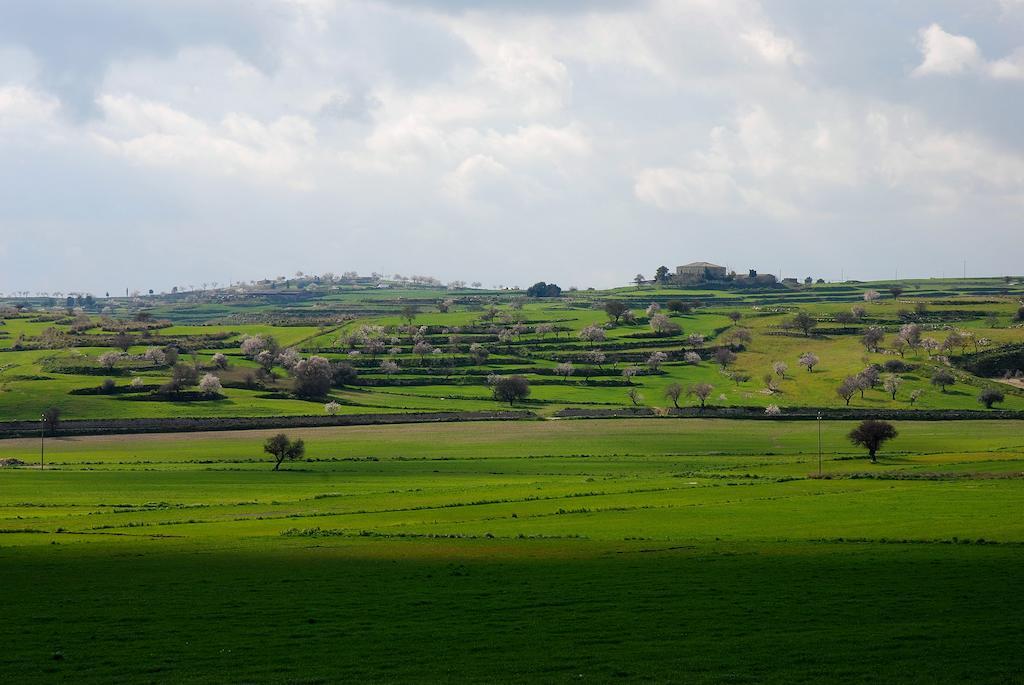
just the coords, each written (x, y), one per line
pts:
(37, 371)
(631, 550)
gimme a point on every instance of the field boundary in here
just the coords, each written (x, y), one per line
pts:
(795, 414)
(22, 429)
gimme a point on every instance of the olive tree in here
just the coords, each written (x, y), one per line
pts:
(942, 379)
(510, 388)
(990, 396)
(281, 448)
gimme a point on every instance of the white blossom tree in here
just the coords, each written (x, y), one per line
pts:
(210, 385)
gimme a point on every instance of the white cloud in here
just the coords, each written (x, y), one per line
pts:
(450, 135)
(946, 54)
(789, 161)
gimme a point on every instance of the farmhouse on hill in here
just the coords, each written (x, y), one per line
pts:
(701, 271)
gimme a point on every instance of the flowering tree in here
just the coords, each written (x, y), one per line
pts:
(780, 369)
(389, 367)
(332, 408)
(288, 358)
(809, 360)
(892, 384)
(155, 356)
(109, 360)
(871, 295)
(210, 385)
(692, 358)
(662, 325)
(592, 334)
(219, 361)
(565, 369)
(656, 359)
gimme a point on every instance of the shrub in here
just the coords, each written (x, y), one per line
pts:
(343, 374)
(108, 385)
(990, 396)
(897, 366)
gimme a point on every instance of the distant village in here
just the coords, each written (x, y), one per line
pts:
(710, 274)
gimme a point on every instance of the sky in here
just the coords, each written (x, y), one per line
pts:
(153, 143)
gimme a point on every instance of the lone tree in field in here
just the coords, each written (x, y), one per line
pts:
(943, 379)
(809, 360)
(702, 391)
(990, 396)
(615, 309)
(803, 322)
(281, 448)
(511, 388)
(409, 313)
(674, 392)
(639, 280)
(871, 434)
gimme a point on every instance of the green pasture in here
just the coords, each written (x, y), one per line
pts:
(635, 550)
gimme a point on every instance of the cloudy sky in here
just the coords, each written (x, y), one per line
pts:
(149, 143)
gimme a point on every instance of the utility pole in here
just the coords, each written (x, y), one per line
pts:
(42, 441)
(819, 444)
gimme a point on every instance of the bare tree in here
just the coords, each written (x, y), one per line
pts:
(702, 391)
(673, 392)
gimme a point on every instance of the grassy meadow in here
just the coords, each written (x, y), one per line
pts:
(666, 550)
(51, 359)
